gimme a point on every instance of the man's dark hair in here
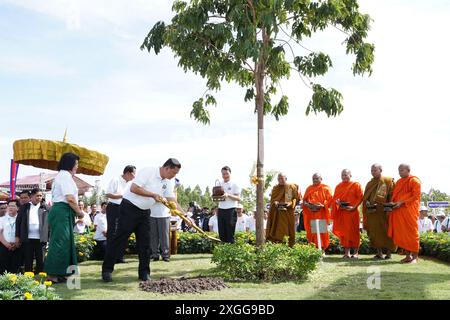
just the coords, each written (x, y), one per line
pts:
(68, 161)
(129, 169)
(34, 191)
(14, 200)
(226, 168)
(172, 163)
(24, 192)
(103, 203)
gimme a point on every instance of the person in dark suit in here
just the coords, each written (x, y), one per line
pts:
(32, 231)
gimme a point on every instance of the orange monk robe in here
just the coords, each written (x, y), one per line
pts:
(317, 194)
(346, 223)
(282, 223)
(403, 227)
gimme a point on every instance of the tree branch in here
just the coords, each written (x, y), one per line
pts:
(295, 40)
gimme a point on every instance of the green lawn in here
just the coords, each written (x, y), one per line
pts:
(334, 279)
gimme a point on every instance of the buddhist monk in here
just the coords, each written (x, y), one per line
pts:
(281, 220)
(347, 197)
(316, 206)
(403, 227)
(375, 219)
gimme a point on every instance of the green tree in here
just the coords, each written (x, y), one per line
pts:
(247, 42)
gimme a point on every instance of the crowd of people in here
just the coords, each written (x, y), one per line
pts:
(38, 238)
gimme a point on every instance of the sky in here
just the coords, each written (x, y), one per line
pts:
(78, 65)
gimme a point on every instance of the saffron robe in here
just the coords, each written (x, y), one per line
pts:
(346, 223)
(282, 223)
(403, 227)
(317, 194)
(378, 192)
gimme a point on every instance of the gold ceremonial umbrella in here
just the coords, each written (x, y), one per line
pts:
(46, 154)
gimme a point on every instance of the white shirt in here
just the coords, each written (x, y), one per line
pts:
(438, 226)
(63, 185)
(213, 224)
(150, 179)
(240, 224)
(159, 210)
(231, 188)
(101, 225)
(33, 222)
(117, 185)
(425, 225)
(8, 227)
(250, 224)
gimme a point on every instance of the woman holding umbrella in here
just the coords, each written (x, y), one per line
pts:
(62, 250)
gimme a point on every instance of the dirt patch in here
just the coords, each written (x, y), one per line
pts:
(183, 285)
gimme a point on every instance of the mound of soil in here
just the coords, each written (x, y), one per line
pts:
(183, 285)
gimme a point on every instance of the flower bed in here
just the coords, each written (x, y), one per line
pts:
(26, 287)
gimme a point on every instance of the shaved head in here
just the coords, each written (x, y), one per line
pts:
(317, 178)
(281, 178)
(405, 166)
(404, 170)
(376, 170)
(377, 166)
(346, 175)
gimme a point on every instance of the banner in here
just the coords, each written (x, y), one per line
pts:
(13, 179)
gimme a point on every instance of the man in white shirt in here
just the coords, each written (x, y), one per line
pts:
(425, 224)
(101, 228)
(227, 215)
(115, 191)
(147, 188)
(213, 223)
(32, 231)
(241, 219)
(159, 229)
(10, 254)
(439, 218)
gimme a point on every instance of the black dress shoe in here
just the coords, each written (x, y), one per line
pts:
(106, 276)
(145, 277)
(155, 259)
(166, 259)
(121, 261)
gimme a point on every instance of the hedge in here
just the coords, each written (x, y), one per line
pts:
(431, 244)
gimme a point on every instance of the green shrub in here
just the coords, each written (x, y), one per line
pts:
(435, 245)
(26, 287)
(194, 243)
(85, 244)
(270, 262)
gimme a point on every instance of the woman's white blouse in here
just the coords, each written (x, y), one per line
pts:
(63, 185)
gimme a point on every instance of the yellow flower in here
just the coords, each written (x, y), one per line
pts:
(29, 274)
(48, 283)
(81, 254)
(43, 274)
(95, 243)
(13, 278)
(28, 296)
(37, 282)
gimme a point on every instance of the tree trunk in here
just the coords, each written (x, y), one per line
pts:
(259, 82)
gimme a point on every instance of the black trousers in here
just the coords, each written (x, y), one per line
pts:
(132, 219)
(226, 219)
(33, 248)
(100, 249)
(10, 261)
(112, 219)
